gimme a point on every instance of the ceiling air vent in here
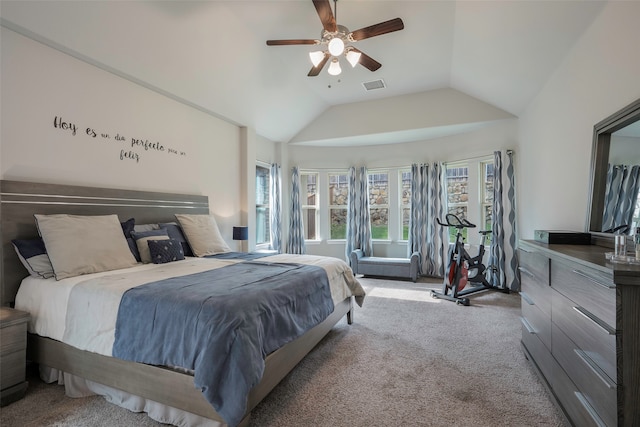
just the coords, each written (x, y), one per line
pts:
(374, 84)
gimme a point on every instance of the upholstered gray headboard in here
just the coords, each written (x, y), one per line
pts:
(19, 201)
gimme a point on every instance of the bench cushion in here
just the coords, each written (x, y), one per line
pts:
(385, 267)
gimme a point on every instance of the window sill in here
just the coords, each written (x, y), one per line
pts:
(382, 241)
(336, 241)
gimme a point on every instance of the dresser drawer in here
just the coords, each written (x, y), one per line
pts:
(589, 333)
(573, 401)
(539, 322)
(539, 352)
(534, 276)
(589, 288)
(596, 387)
(13, 338)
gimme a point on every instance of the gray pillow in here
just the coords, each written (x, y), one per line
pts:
(142, 241)
(203, 234)
(78, 244)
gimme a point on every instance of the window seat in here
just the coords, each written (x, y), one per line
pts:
(385, 267)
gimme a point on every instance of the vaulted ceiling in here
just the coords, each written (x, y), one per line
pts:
(213, 56)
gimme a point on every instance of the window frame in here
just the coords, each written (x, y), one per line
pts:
(386, 206)
(475, 203)
(402, 206)
(266, 206)
(331, 207)
(306, 207)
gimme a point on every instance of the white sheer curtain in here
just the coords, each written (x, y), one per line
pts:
(503, 253)
(428, 201)
(275, 208)
(295, 243)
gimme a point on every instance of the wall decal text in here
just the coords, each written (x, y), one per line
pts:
(130, 148)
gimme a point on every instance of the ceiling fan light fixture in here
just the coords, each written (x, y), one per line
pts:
(334, 67)
(353, 57)
(316, 57)
(336, 46)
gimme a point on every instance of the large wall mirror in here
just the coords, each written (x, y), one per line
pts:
(615, 174)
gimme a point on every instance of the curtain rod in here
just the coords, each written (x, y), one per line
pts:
(406, 166)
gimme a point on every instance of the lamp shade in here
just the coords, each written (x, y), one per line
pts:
(334, 67)
(316, 57)
(353, 57)
(240, 233)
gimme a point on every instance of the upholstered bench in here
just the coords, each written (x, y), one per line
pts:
(385, 267)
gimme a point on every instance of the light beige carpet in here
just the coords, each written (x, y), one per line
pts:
(408, 360)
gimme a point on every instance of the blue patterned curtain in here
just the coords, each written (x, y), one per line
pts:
(428, 203)
(352, 215)
(503, 253)
(364, 221)
(275, 208)
(419, 213)
(621, 195)
(296, 227)
(437, 236)
(358, 220)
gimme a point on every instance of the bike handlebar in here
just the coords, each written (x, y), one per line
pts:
(454, 221)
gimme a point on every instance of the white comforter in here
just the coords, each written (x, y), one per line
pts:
(82, 311)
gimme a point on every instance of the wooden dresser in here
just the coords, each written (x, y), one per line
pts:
(13, 359)
(581, 330)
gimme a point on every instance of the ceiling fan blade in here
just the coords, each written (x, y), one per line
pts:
(291, 42)
(366, 61)
(323, 7)
(316, 70)
(378, 29)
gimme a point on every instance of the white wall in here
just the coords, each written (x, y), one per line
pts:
(40, 83)
(599, 77)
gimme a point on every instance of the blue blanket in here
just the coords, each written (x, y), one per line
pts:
(222, 323)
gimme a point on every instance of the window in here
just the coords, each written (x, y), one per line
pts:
(470, 196)
(379, 205)
(338, 199)
(309, 201)
(405, 203)
(486, 197)
(263, 233)
(458, 195)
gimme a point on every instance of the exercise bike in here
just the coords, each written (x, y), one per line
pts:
(463, 269)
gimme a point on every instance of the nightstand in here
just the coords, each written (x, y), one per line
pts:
(13, 354)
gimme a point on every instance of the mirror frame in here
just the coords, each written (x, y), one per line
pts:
(599, 162)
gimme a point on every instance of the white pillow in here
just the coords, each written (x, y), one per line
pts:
(78, 244)
(203, 234)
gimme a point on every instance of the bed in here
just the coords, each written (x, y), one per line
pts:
(171, 389)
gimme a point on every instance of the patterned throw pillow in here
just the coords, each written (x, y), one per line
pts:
(142, 237)
(33, 256)
(163, 251)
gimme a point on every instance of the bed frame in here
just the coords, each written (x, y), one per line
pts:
(20, 200)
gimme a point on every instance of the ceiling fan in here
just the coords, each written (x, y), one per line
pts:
(335, 41)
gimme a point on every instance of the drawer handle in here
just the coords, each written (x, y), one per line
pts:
(527, 298)
(595, 320)
(527, 326)
(592, 412)
(595, 369)
(594, 280)
(525, 271)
